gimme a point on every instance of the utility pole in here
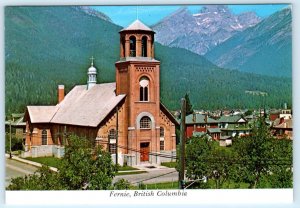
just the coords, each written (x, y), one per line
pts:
(65, 135)
(182, 144)
(117, 134)
(10, 156)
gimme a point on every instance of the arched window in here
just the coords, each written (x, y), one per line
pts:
(162, 132)
(44, 137)
(132, 41)
(145, 123)
(144, 46)
(123, 47)
(144, 89)
(112, 141)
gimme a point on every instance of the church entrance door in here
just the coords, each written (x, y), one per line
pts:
(144, 147)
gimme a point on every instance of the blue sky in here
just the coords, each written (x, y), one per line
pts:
(124, 15)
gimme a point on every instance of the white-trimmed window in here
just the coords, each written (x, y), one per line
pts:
(112, 148)
(145, 122)
(44, 137)
(144, 89)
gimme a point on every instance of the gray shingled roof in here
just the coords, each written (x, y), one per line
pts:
(137, 25)
(199, 119)
(230, 119)
(80, 107)
(214, 130)
(198, 134)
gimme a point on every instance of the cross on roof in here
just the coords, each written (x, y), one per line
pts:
(92, 60)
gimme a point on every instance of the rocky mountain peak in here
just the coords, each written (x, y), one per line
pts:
(248, 18)
(214, 9)
(90, 11)
(203, 31)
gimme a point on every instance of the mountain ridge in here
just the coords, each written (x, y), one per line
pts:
(266, 47)
(48, 46)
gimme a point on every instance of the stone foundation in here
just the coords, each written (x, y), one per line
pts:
(120, 158)
(134, 159)
(44, 151)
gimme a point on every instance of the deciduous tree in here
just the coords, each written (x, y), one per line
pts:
(263, 157)
(82, 167)
(206, 160)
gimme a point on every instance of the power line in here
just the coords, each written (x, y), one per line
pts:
(153, 177)
(138, 151)
(214, 158)
(218, 159)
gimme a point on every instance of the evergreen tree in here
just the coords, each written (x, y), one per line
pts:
(189, 106)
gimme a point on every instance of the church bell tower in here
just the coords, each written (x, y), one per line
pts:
(137, 76)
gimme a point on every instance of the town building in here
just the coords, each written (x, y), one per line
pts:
(234, 125)
(125, 117)
(282, 128)
(16, 125)
(198, 123)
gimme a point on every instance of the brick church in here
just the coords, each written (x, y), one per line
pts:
(125, 117)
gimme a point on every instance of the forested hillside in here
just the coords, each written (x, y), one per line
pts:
(47, 46)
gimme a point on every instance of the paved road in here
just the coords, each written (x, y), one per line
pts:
(15, 169)
(154, 176)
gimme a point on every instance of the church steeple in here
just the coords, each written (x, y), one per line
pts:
(137, 40)
(92, 75)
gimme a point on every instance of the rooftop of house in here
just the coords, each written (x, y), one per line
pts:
(214, 130)
(232, 119)
(225, 137)
(17, 120)
(199, 119)
(236, 127)
(281, 123)
(198, 134)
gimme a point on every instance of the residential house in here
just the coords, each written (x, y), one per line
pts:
(201, 123)
(234, 125)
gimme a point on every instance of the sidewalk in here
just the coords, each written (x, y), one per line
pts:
(141, 168)
(36, 164)
(152, 167)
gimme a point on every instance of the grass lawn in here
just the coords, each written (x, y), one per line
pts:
(174, 185)
(50, 161)
(131, 173)
(123, 168)
(169, 164)
(165, 185)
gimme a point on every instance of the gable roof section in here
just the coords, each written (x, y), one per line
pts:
(286, 124)
(168, 114)
(232, 119)
(80, 107)
(41, 114)
(200, 119)
(214, 130)
(84, 107)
